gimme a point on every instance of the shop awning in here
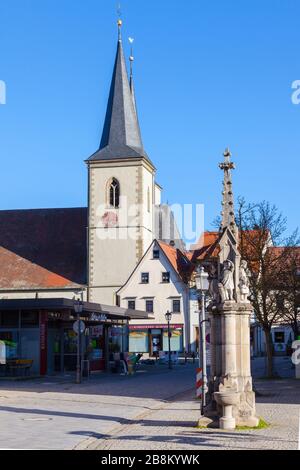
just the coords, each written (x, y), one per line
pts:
(61, 304)
(155, 326)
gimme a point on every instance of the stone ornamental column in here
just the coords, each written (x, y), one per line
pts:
(212, 345)
(218, 348)
(245, 345)
(233, 383)
(229, 344)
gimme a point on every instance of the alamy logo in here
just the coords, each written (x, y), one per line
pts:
(296, 93)
(171, 220)
(296, 353)
(2, 92)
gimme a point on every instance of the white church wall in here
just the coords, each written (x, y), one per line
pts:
(115, 251)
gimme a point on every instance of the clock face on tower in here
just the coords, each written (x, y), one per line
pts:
(109, 219)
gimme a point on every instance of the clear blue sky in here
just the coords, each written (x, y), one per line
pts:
(208, 74)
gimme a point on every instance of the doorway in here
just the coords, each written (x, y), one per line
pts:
(155, 342)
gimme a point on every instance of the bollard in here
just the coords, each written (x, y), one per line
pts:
(199, 382)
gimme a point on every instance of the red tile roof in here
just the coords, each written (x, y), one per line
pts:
(178, 259)
(43, 248)
(208, 244)
(207, 247)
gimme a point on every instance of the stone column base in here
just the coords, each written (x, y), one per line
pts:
(227, 423)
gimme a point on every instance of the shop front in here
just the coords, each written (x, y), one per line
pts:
(152, 339)
(40, 335)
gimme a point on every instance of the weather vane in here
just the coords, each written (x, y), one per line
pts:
(119, 22)
(119, 10)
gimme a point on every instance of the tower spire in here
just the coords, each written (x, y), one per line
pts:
(121, 136)
(228, 218)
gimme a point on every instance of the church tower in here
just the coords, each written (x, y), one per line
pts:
(121, 191)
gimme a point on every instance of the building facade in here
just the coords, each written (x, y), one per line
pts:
(159, 283)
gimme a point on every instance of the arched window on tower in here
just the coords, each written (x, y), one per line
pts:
(114, 193)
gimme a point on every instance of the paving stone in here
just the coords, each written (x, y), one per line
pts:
(154, 410)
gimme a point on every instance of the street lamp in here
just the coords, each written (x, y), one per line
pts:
(168, 316)
(78, 307)
(202, 285)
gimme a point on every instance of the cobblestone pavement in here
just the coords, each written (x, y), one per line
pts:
(172, 427)
(55, 413)
(155, 409)
(282, 366)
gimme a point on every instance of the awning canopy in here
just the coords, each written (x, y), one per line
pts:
(61, 304)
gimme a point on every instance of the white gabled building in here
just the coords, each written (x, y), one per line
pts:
(160, 282)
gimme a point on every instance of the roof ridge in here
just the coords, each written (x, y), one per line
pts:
(44, 209)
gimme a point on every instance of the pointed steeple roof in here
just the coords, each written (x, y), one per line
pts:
(121, 136)
(228, 217)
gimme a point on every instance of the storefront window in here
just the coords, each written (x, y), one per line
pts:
(138, 341)
(11, 342)
(116, 338)
(176, 340)
(70, 342)
(30, 346)
(95, 347)
(21, 341)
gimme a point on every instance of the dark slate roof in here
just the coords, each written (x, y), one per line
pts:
(121, 137)
(43, 248)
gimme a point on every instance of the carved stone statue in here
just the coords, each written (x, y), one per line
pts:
(213, 284)
(244, 281)
(226, 284)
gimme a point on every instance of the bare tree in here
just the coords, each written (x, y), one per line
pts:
(262, 227)
(289, 288)
(272, 265)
